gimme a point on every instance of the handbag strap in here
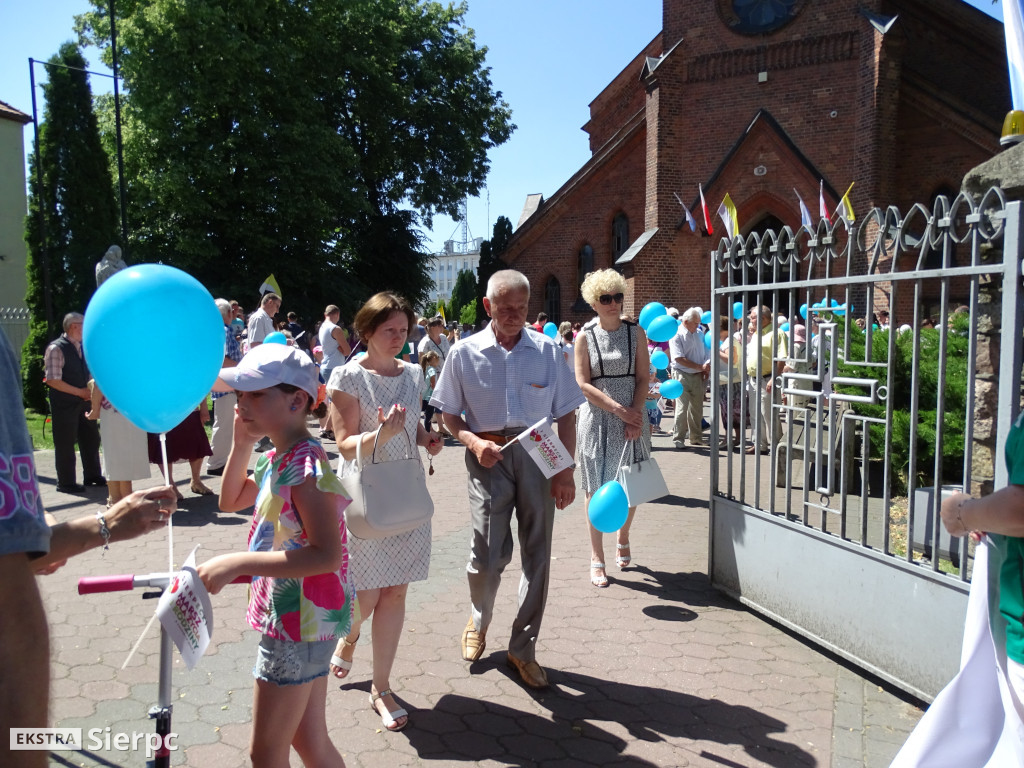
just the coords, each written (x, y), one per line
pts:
(376, 438)
(622, 459)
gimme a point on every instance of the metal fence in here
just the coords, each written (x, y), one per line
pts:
(14, 322)
(835, 531)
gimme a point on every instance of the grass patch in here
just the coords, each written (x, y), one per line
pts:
(36, 430)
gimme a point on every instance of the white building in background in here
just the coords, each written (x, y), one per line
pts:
(446, 265)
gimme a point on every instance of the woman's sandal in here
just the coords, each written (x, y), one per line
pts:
(200, 490)
(341, 667)
(598, 581)
(622, 560)
(389, 718)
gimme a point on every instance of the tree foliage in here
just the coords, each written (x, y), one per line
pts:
(490, 259)
(305, 139)
(463, 293)
(953, 394)
(73, 216)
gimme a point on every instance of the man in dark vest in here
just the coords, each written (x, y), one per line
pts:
(67, 376)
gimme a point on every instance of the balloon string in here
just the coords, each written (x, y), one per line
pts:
(170, 520)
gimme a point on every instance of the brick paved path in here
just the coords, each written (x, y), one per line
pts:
(657, 670)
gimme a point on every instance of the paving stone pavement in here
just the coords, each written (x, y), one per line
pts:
(659, 669)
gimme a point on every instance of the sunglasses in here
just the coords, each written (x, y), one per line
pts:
(608, 298)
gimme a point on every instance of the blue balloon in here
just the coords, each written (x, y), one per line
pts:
(650, 312)
(158, 392)
(708, 339)
(550, 330)
(784, 327)
(803, 311)
(662, 328)
(608, 508)
(659, 360)
(275, 338)
(737, 310)
(671, 389)
(706, 317)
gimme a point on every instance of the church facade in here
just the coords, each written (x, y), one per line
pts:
(758, 99)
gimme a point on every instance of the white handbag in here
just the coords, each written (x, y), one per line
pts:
(642, 480)
(388, 497)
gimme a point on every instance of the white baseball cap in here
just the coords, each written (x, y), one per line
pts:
(268, 365)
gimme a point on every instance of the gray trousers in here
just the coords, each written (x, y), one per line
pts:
(223, 430)
(514, 485)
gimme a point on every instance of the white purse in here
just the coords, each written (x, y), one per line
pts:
(642, 480)
(388, 497)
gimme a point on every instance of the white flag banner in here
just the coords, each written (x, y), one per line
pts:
(544, 447)
(185, 612)
(1013, 21)
(973, 722)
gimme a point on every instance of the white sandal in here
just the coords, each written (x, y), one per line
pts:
(623, 560)
(340, 663)
(388, 717)
(598, 581)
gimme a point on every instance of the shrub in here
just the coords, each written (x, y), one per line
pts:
(953, 394)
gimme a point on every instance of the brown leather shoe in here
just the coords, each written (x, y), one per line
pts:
(473, 642)
(533, 674)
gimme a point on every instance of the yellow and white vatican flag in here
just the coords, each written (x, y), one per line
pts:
(973, 722)
(270, 284)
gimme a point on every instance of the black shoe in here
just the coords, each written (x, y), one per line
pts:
(264, 445)
(73, 488)
(97, 481)
(215, 471)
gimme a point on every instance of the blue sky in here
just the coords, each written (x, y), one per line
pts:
(549, 58)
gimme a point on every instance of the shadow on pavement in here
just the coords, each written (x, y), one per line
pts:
(462, 728)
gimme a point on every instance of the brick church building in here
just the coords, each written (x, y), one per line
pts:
(756, 98)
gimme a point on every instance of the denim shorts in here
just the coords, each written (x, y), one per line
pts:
(283, 662)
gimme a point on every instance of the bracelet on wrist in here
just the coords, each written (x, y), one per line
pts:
(104, 530)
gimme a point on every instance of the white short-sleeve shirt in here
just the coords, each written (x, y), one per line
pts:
(505, 389)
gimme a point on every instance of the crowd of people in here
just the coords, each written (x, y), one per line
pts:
(386, 386)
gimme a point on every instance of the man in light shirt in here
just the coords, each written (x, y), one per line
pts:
(691, 366)
(504, 379)
(261, 323)
(762, 369)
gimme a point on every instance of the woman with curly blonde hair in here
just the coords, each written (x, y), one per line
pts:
(612, 369)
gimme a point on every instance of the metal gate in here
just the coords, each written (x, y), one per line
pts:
(834, 531)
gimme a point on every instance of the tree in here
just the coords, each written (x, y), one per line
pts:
(490, 259)
(463, 292)
(312, 135)
(73, 216)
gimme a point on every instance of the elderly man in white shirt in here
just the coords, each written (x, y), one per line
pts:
(504, 379)
(261, 322)
(691, 365)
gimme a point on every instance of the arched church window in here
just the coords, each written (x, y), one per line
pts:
(620, 235)
(553, 300)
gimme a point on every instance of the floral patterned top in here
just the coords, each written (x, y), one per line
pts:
(311, 607)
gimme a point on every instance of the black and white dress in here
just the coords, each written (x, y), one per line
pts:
(404, 558)
(601, 436)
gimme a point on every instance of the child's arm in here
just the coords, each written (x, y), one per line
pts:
(316, 509)
(238, 491)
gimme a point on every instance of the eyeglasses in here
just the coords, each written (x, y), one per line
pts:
(608, 298)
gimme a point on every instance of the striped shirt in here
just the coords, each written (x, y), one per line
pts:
(504, 389)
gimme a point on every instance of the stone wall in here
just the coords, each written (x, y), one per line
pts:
(1005, 170)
